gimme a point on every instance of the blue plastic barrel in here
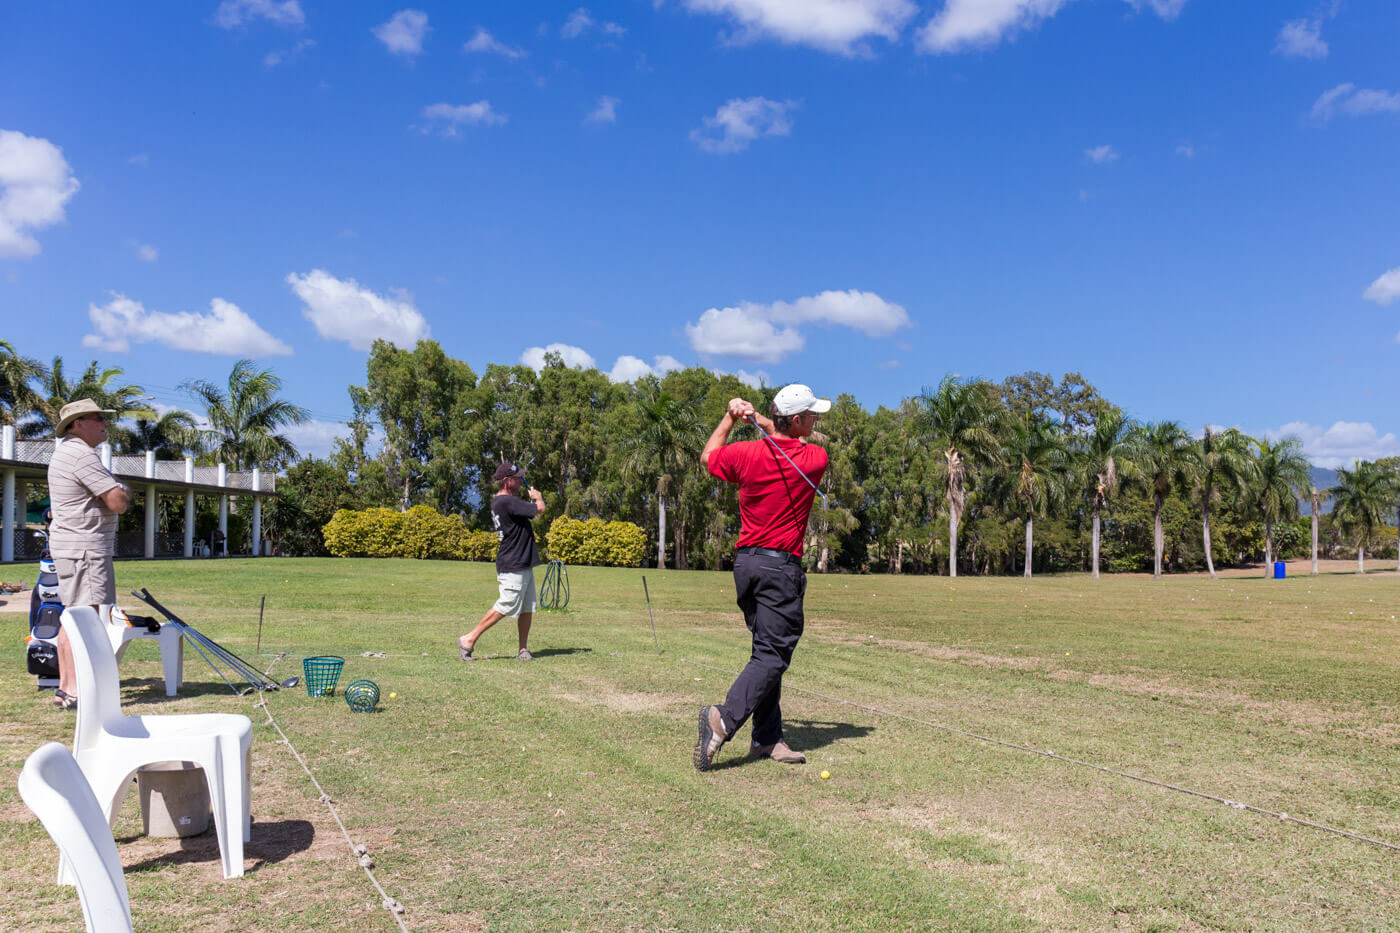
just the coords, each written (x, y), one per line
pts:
(1279, 570)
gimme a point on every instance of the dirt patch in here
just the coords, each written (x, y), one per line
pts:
(621, 702)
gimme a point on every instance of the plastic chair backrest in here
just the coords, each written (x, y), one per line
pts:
(55, 789)
(99, 685)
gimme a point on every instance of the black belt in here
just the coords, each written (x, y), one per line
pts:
(771, 552)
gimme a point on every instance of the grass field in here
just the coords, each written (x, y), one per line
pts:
(559, 793)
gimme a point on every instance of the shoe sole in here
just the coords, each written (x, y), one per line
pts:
(703, 760)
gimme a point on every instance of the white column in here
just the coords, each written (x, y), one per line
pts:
(7, 498)
(223, 509)
(151, 501)
(21, 504)
(257, 513)
(189, 508)
(105, 450)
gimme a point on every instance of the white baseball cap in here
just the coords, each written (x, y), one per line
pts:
(797, 398)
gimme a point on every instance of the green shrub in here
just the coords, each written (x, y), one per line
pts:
(596, 542)
(421, 532)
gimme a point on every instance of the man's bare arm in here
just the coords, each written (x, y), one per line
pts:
(739, 410)
(117, 499)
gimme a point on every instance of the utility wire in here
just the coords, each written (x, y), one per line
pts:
(1047, 753)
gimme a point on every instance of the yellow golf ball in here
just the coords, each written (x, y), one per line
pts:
(393, 696)
(825, 775)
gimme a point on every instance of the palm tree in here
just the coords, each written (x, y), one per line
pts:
(1166, 459)
(1280, 471)
(961, 419)
(1318, 496)
(1223, 458)
(667, 444)
(244, 417)
(1039, 453)
(1362, 497)
(1105, 455)
(170, 436)
(101, 385)
(17, 397)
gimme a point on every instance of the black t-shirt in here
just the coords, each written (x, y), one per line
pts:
(511, 515)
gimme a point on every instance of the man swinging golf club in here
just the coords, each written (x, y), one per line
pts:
(777, 477)
(516, 557)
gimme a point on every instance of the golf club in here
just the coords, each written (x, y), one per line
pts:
(754, 421)
(650, 616)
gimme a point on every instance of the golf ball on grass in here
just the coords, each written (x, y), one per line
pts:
(393, 696)
(825, 775)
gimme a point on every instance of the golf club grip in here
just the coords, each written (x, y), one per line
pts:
(146, 597)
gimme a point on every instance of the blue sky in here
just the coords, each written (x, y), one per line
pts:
(1191, 203)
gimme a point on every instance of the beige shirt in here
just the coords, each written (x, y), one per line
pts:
(81, 525)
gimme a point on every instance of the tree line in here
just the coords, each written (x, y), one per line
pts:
(1027, 475)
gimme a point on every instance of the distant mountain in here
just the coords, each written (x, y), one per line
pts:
(1322, 478)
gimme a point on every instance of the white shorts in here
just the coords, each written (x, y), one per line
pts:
(517, 593)
(89, 580)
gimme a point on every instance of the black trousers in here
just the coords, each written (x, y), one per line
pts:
(770, 594)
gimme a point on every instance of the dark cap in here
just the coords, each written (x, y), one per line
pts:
(508, 469)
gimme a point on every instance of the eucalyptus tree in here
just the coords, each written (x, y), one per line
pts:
(17, 375)
(245, 417)
(104, 386)
(961, 419)
(1223, 459)
(1038, 454)
(666, 443)
(1281, 471)
(1105, 455)
(1166, 459)
(1361, 498)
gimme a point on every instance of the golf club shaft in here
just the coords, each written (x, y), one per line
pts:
(754, 421)
(261, 606)
(650, 616)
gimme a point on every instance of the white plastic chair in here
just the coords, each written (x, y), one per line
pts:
(55, 789)
(110, 746)
(172, 647)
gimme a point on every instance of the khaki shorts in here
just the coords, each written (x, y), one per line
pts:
(517, 593)
(86, 581)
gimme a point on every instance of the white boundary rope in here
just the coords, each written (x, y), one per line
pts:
(362, 856)
(1047, 753)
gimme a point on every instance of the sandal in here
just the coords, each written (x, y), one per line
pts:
(62, 700)
(464, 653)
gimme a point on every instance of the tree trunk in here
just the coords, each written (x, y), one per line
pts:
(661, 531)
(899, 558)
(1314, 535)
(1027, 573)
(1205, 534)
(1096, 539)
(1360, 558)
(952, 541)
(1268, 546)
(823, 556)
(1158, 539)
(678, 548)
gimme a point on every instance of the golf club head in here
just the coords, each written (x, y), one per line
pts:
(291, 682)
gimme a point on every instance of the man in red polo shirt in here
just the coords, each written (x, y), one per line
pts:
(774, 503)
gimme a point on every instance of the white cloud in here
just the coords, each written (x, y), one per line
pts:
(573, 357)
(1301, 38)
(754, 380)
(146, 252)
(888, 364)
(1186, 151)
(342, 310)
(279, 56)
(1385, 289)
(966, 24)
(35, 183)
(579, 22)
(632, 368)
(1340, 445)
(1353, 102)
(488, 44)
(605, 112)
(769, 333)
(141, 159)
(404, 32)
(1101, 155)
(740, 121)
(234, 13)
(452, 117)
(225, 329)
(839, 26)
(317, 438)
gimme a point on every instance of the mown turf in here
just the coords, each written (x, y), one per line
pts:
(559, 794)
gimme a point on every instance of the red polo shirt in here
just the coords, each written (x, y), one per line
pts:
(774, 502)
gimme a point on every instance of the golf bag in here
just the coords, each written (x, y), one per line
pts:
(44, 611)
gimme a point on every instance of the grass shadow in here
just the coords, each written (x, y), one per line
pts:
(270, 843)
(152, 690)
(805, 735)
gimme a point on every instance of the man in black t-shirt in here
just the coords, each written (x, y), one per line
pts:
(516, 557)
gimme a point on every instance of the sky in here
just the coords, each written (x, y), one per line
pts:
(1192, 203)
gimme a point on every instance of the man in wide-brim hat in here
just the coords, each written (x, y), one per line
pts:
(86, 499)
